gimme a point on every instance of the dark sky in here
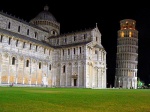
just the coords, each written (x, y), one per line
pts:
(79, 15)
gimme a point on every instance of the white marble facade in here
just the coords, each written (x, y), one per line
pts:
(127, 55)
(34, 53)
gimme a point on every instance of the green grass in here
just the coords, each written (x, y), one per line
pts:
(17, 99)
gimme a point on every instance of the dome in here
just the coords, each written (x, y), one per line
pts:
(44, 15)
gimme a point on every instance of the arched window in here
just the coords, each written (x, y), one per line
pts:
(64, 69)
(28, 32)
(27, 63)
(13, 61)
(18, 28)
(40, 65)
(9, 25)
(53, 32)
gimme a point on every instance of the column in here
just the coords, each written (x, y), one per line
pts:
(30, 72)
(36, 72)
(23, 70)
(16, 71)
(9, 71)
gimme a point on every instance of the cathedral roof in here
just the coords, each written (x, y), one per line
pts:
(16, 35)
(45, 15)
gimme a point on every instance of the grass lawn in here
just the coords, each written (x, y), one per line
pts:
(17, 99)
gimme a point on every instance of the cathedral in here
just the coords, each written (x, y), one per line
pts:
(35, 54)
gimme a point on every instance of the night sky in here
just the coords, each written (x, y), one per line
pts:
(77, 15)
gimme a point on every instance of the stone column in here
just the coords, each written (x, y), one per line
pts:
(78, 73)
(36, 72)
(30, 72)
(9, 70)
(23, 70)
(16, 79)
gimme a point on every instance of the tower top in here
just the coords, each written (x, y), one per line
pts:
(127, 24)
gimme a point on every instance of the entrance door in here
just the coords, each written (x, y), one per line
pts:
(75, 82)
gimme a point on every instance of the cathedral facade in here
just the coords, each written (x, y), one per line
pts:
(34, 53)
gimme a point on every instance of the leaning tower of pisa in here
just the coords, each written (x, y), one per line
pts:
(127, 55)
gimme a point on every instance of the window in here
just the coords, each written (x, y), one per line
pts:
(95, 52)
(23, 44)
(30, 46)
(74, 51)
(68, 51)
(16, 43)
(49, 67)
(18, 28)
(9, 41)
(28, 32)
(74, 38)
(13, 61)
(1, 39)
(96, 38)
(35, 34)
(36, 47)
(27, 63)
(63, 52)
(9, 25)
(64, 69)
(53, 32)
(85, 35)
(44, 50)
(40, 65)
(80, 49)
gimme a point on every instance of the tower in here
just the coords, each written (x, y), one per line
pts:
(127, 55)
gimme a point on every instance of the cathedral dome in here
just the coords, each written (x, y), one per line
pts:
(45, 15)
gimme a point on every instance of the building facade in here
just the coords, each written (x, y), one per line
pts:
(34, 53)
(127, 55)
